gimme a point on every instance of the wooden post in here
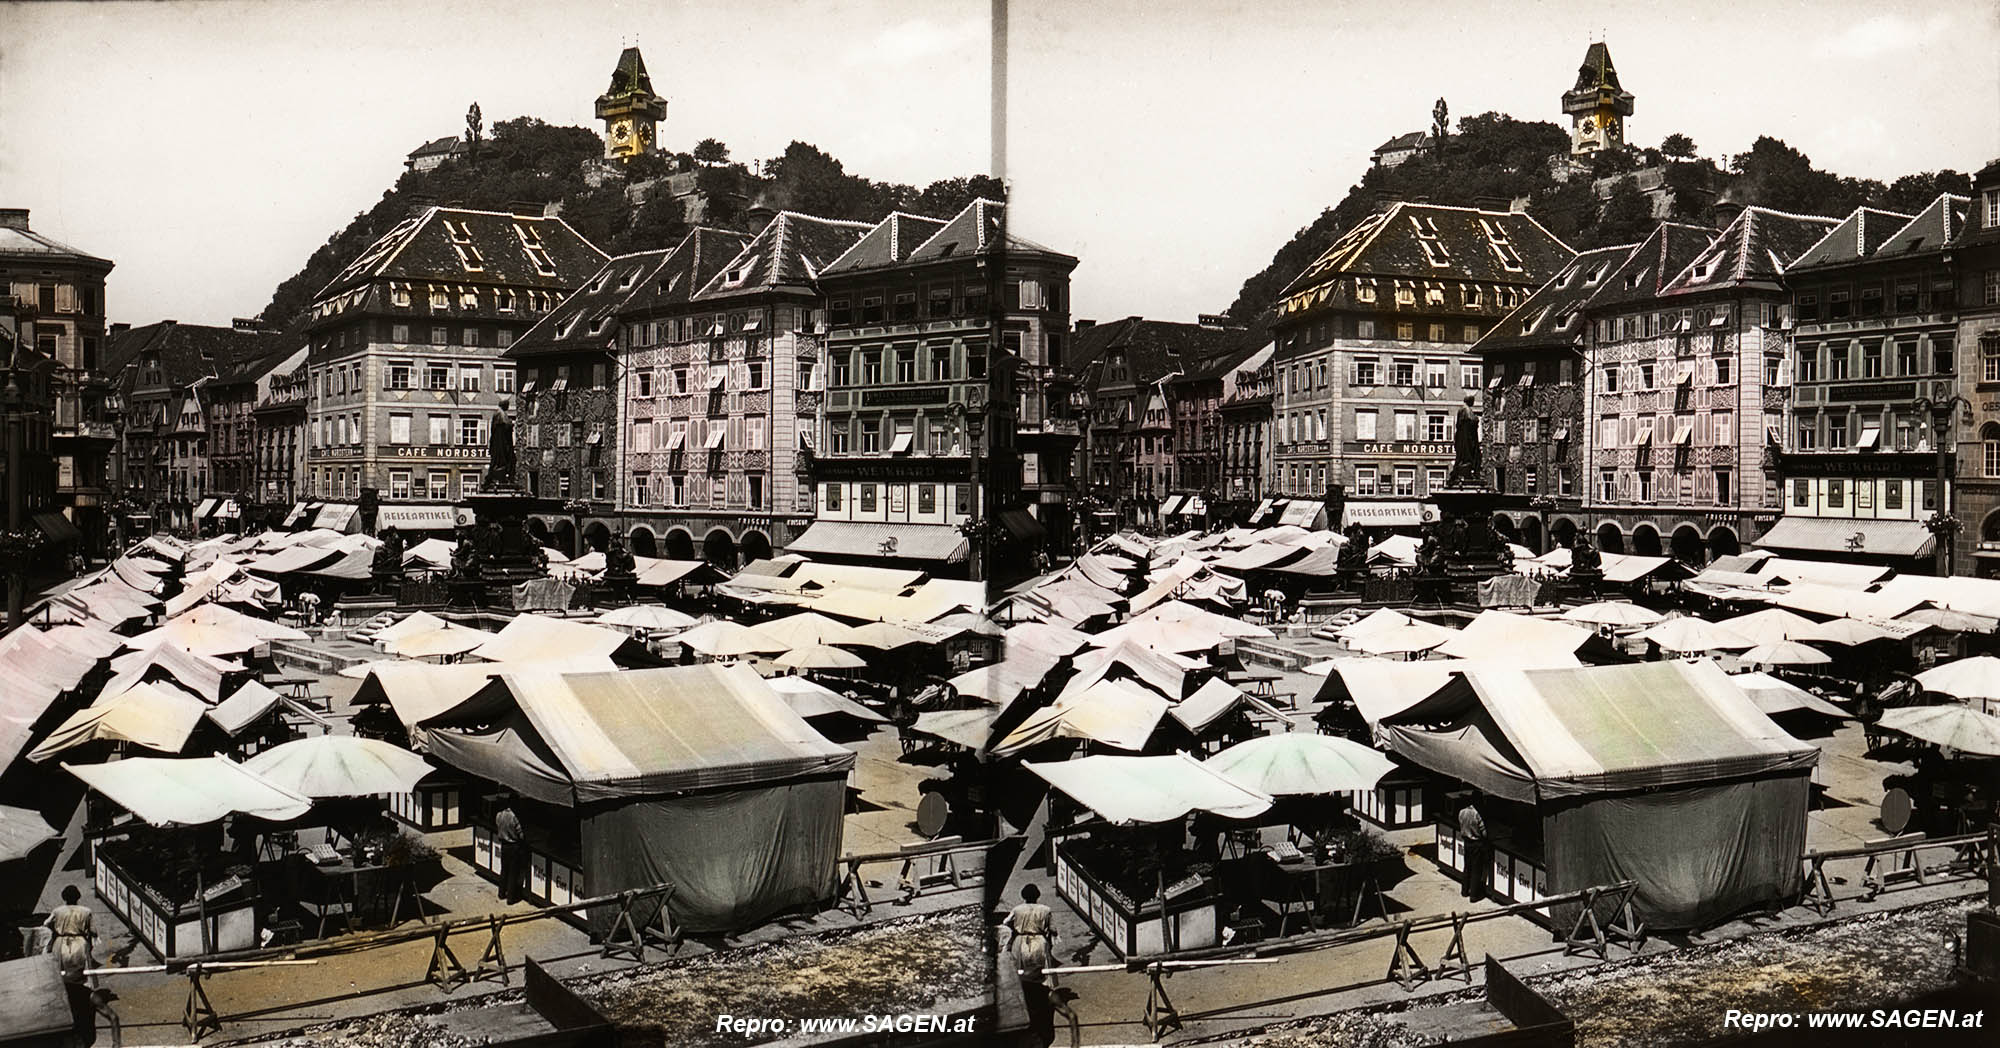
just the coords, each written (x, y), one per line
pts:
(1404, 965)
(493, 961)
(199, 1016)
(445, 969)
(1161, 1016)
(1456, 963)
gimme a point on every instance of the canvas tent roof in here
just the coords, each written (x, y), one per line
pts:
(1111, 713)
(170, 791)
(1556, 733)
(1126, 790)
(642, 732)
(1499, 634)
(420, 691)
(156, 717)
(242, 708)
(538, 638)
(199, 674)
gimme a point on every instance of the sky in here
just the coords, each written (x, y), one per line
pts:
(1175, 145)
(209, 148)
(1172, 145)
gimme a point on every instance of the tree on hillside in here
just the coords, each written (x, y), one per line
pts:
(947, 197)
(1912, 193)
(1678, 146)
(1778, 176)
(711, 151)
(1626, 218)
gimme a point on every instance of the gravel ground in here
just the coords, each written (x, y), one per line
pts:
(910, 965)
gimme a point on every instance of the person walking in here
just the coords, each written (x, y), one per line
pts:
(1478, 850)
(73, 932)
(513, 854)
(1031, 942)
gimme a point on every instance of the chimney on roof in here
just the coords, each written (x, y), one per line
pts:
(1723, 212)
(13, 218)
(120, 326)
(248, 324)
(1085, 325)
(1384, 198)
(1490, 203)
(528, 208)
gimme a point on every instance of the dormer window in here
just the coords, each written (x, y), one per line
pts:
(1632, 279)
(440, 298)
(630, 279)
(469, 257)
(1596, 274)
(740, 273)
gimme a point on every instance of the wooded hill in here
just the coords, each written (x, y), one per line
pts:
(527, 160)
(1494, 157)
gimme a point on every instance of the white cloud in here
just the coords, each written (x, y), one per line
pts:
(917, 40)
(1886, 34)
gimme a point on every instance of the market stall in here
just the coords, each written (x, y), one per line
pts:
(699, 776)
(1663, 773)
(1133, 882)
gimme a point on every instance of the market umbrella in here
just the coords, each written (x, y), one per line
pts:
(723, 639)
(973, 623)
(1689, 634)
(810, 699)
(450, 639)
(1769, 626)
(821, 657)
(1401, 639)
(1847, 632)
(1785, 653)
(22, 831)
(340, 766)
(1302, 762)
(1974, 679)
(883, 635)
(806, 627)
(1613, 613)
(1958, 727)
(646, 616)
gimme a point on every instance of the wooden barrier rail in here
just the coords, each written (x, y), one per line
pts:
(627, 937)
(1897, 859)
(1587, 934)
(852, 895)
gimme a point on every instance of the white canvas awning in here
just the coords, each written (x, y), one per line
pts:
(167, 791)
(1127, 790)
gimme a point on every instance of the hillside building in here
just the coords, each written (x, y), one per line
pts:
(1976, 249)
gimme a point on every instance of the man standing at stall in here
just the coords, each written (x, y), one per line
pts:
(1478, 850)
(513, 854)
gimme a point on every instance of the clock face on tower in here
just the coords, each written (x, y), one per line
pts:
(646, 135)
(621, 132)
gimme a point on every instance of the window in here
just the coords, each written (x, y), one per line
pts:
(1645, 485)
(1406, 372)
(1406, 481)
(1806, 307)
(399, 429)
(1607, 485)
(871, 437)
(871, 369)
(832, 497)
(755, 428)
(1871, 360)
(1807, 368)
(1434, 426)
(468, 379)
(1836, 493)
(871, 310)
(399, 374)
(503, 380)
(1871, 301)
(1892, 494)
(1989, 357)
(1468, 376)
(1722, 371)
(865, 497)
(1607, 432)
(756, 375)
(1364, 329)
(1611, 372)
(906, 365)
(1645, 376)
(437, 376)
(440, 430)
(1989, 446)
(1406, 331)
(1364, 371)
(1808, 435)
(1434, 374)
(1433, 480)
(1364, 291)
(1839, 304)
(1836, 432)
(1405, 294)
(1364, 425)
(468, 431)
(1364, 480)
(1838, 359)
(642, 381)
(1437, 333)
(1406, 425)
(1943, 361)
(1801, 492)
(439, 483)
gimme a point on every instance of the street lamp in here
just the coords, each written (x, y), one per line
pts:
(1943, 524)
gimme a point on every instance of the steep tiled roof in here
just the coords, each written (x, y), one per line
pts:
(189, 352)
(1467, 244)
(1228, 360)
(893, 240)
(588, 318)
(1855, 238)
(692, 263)
(476, 247)
(1931, 230)
(1756, 248)
(1646, 269)
(793, 249)
(1553, 314)
(1156, 348)
(1597, 70)
(629, 77)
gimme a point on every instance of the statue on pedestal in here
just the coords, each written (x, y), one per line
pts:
(619, 564)
(1465, 470)
(388, 563)
(467, 558)
(499, 453)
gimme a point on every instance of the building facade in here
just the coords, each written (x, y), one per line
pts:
(1194, 405)
(1869, 454)
(947, 403)
(1977, 251)
(1686, 403)
(1372, 361)
(1246, 433)
(405, 361)
(279, 430)
(230, 400)
(57, 310)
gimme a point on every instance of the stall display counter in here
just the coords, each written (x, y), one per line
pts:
(172, 929)
(1398, 802)
(436, 804)
(1519, 873)
(556, 880)
(1188, 919)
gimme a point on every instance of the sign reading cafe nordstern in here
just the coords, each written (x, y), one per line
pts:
(405, 451)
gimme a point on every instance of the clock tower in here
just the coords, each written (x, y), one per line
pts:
(1597, 106)
(630, 110)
